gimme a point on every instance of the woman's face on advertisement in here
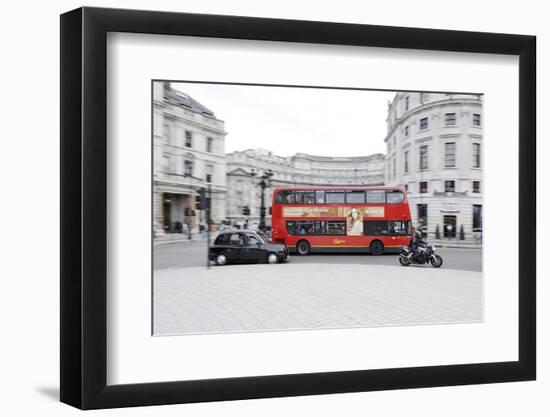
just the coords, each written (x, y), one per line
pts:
(354, 214)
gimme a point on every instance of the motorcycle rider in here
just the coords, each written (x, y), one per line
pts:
(416, 243)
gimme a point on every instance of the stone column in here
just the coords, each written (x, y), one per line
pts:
(158, 215)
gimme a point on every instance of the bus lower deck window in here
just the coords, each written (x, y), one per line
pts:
(386, 227)
(336, 228)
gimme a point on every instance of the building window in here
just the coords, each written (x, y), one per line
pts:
(423, 123)
(477, 119)
(449, 186)
(209, 143)
(166, 135)
(450, 154)
(188, 168)
(406, 161)
(477, 219)
(407, 103)
(476, 187)
(423, 157)
(422, 223)
(406, 130)
(423, 187)
(209, 172)
(188, 139)
(450, 119)
(477, 155)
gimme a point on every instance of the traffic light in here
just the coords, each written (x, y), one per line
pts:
(270, 211)
(203, 201)
(246, 211)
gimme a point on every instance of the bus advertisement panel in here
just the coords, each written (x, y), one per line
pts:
(366, 219)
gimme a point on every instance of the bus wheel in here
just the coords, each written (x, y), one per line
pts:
(303, 247)
(377, 248)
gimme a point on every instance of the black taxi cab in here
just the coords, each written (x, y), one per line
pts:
(243, 246)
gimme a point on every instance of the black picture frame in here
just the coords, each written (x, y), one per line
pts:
(84, 207)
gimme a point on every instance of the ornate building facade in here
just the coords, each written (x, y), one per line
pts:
(434, 148)
(188, 153)
(293, 171)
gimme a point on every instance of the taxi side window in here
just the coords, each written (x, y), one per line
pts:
(236, 239)
(222, 239)
(252, 240)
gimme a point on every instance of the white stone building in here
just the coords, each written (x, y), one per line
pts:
(189, 153)
(293, 171)
(434, 148)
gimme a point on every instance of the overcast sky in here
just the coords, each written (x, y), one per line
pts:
(290, 120)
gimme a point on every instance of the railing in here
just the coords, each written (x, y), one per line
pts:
(451, 193)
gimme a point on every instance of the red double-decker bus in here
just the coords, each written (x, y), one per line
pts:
(368, 219)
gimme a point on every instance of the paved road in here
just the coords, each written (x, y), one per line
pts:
(194, 254)
(248, 298)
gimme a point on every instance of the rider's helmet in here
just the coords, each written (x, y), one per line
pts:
(418, 234)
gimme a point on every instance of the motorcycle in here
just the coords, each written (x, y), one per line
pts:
(426, 254)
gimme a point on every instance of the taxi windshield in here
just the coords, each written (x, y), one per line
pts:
(264, 238)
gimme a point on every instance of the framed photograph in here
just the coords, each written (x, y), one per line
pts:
(257, 208)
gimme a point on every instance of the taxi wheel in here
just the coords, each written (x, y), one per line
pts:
(221, 260)
(271, 258)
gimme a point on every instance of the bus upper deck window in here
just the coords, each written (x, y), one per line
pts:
(355, 197)
(319, 197)
(376, 196)
(334, 197)
(394, 196)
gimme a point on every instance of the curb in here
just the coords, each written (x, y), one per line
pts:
(159, 242)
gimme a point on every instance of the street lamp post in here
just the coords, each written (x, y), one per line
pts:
(188, 219)
(208, 222)
(205, 199)
(263, 184)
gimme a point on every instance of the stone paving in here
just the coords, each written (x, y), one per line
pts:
(247, 298)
